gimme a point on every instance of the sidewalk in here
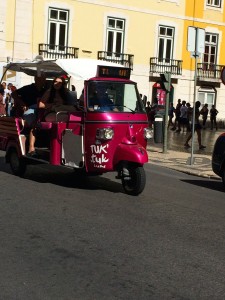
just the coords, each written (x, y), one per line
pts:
(178, 158)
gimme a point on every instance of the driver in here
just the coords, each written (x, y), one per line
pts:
(98, 98)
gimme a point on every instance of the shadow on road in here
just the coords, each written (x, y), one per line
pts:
(66, 177)
(216, 185)
(3, 166)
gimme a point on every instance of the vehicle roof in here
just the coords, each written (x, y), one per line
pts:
(111, 79)
(37, 67)
(78, 68)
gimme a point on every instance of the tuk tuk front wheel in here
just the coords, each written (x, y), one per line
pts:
(17, 164)
(133, 179)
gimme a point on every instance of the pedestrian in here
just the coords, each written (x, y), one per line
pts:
(171, 114)
(11, 109)
(183, 116)
(8, 92)
(148, 111)
(177, 115)
(2, 104)
(4, 86)
(74, 90)
(204, 112)
(189, 116)
(213, 113)
(154, 110)
(144, 100)
(197, 128)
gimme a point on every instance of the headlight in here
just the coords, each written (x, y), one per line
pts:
(104, 133)
(148, 134)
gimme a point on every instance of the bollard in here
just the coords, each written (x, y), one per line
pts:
(158, 128)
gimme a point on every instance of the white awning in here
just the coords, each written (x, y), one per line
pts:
(83, 68)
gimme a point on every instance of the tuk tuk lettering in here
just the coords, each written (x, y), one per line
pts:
(98, 155)
(99, 148)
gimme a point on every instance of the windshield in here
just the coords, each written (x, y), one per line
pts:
(113, 96)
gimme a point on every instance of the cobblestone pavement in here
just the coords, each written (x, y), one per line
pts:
(179, 158)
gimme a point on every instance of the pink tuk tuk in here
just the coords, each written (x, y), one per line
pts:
(106, 132)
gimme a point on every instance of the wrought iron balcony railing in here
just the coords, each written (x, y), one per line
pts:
(56, 51)
(162, 65)
(209, 71)
(120, 58)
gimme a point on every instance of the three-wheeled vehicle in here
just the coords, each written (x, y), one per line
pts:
(95, 138)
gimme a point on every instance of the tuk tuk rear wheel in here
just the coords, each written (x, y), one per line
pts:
(133, 179)
(17, 164)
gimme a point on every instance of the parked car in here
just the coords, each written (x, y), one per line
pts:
(218, 157)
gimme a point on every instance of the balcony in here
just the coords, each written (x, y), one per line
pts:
(209, 71)
(51, 51)
(162, 65)
(120, 58)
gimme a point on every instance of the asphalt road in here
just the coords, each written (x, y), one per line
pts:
(63, 241)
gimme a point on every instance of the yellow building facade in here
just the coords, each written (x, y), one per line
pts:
(148, 36)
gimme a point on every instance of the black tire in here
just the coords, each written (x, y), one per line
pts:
(223, 177)
(133, 179)
(17, 164)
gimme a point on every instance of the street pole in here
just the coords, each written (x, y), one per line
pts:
(193, 114)
(194, 99)
(165, 140)
(196, 45)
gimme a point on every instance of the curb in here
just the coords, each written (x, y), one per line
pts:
(201, 169)
(186, 171)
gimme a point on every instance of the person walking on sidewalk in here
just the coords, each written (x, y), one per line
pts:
(189, 115)
(197, 128)
(204, 112)
(213, 113)
(171, 114)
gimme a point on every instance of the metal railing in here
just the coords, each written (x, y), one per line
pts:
(56, 51)
(162, 65)
(211, 71)
(124, 59)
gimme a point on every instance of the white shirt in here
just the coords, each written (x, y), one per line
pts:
(183, 111)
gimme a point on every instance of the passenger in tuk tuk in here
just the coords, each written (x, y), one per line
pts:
(26, 98)
(57, 99)
(54, 100)
(25, 105)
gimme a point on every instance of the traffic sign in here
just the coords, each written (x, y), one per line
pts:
(196, 40)
(223, 75)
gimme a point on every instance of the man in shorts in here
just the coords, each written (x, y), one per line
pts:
(25, 102)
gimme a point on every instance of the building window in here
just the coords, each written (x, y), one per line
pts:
(165, 43)
(210, 55)
(206, 96)
(214, 3)
(58, 28)
(115, 36)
